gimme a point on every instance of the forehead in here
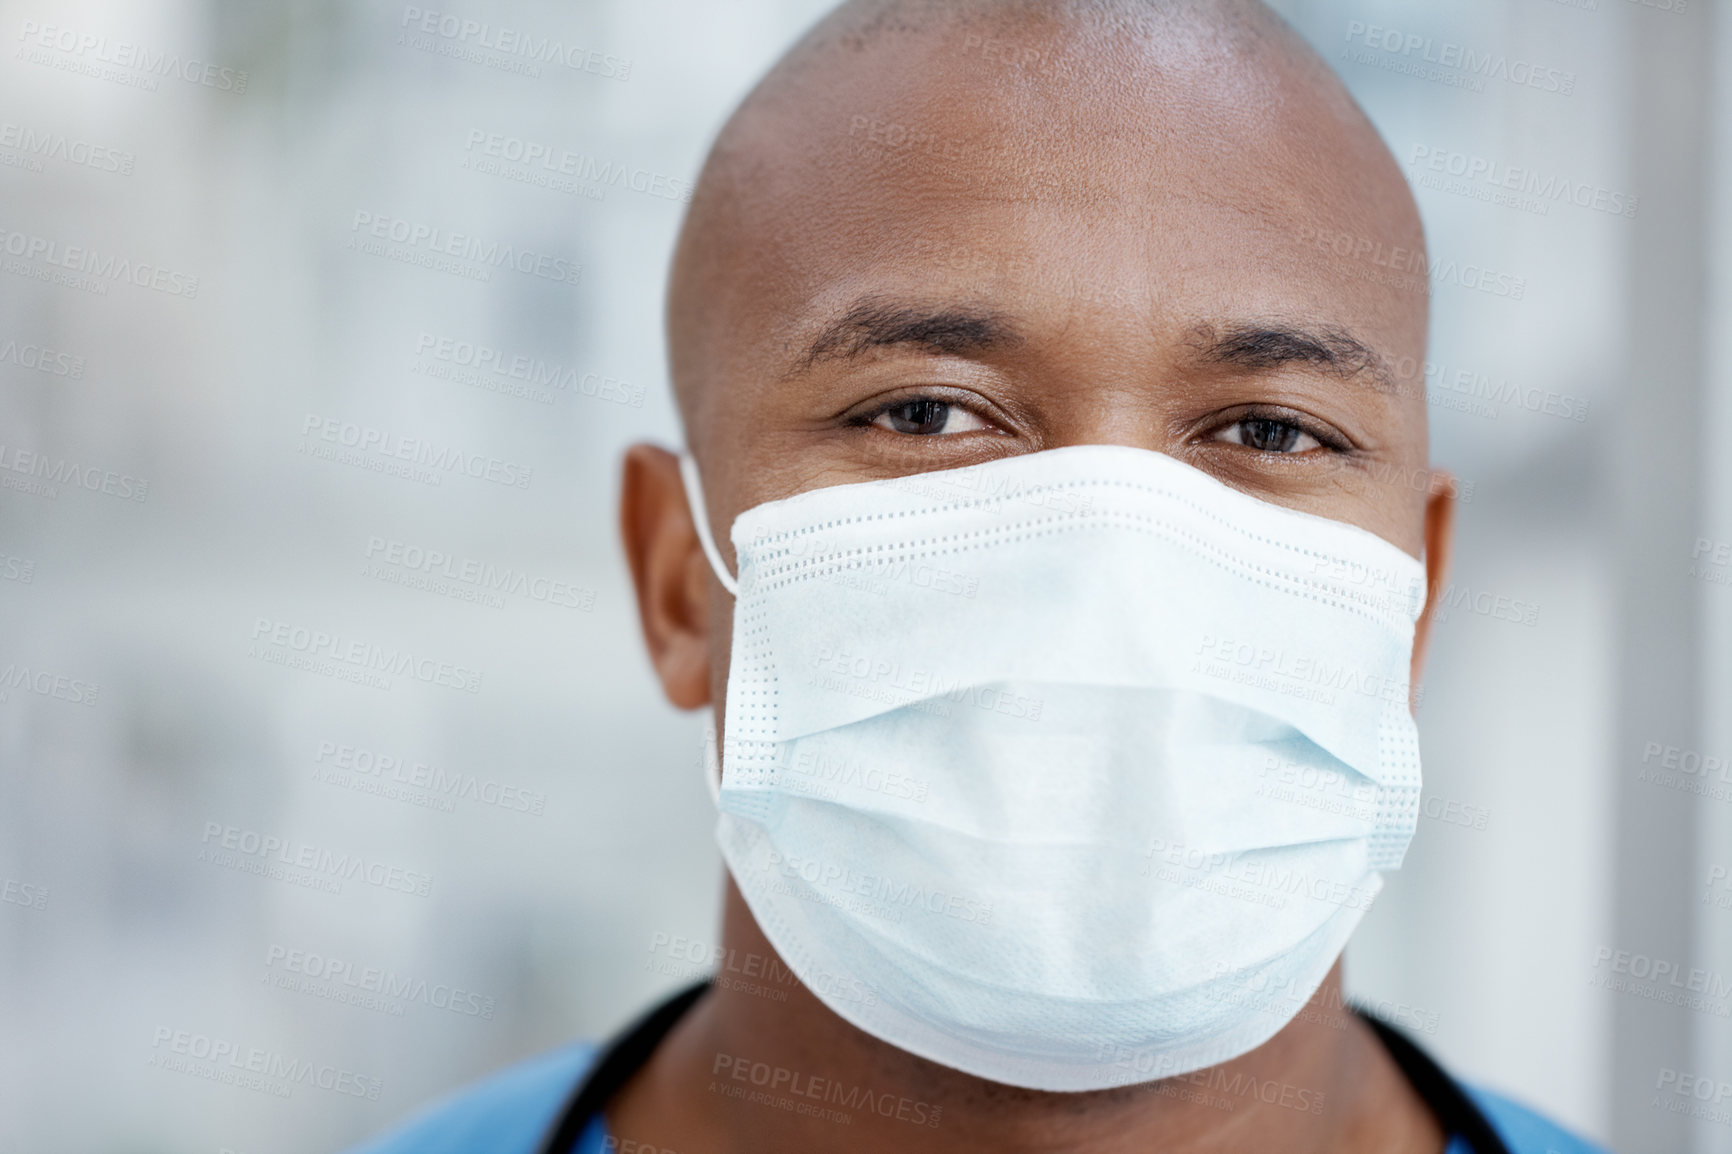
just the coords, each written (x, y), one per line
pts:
(1031, 166)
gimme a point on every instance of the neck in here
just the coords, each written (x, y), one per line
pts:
(760, 1065)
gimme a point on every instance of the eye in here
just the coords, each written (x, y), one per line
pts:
(1268, 435)
(926, 417)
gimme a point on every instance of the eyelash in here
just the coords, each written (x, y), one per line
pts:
(1327, 438)
(869, 418)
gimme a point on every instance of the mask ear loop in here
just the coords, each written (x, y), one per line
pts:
(712, 759)
(701, 520)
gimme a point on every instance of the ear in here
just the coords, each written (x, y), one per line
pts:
(669, 572)
(1439, 541)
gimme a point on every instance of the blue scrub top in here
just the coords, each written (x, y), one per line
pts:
(510, 1112)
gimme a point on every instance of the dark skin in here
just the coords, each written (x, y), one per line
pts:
(1114, 253)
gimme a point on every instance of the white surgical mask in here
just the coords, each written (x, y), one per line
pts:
(1069, 770)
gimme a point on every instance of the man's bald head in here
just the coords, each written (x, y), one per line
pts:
(886, 104)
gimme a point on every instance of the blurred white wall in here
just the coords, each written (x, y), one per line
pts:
(578, 824)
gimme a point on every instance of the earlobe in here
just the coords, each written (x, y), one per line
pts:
(669, 573)
(1439, 533)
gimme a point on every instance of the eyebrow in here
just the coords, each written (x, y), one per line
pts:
(875, 324)
(959, 330)
(1269, 345)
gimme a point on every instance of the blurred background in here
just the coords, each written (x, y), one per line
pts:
(321, 335)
